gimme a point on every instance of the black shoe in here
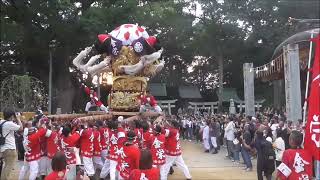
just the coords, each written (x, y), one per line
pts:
(206, 151)
(188, 179)
(171, 171)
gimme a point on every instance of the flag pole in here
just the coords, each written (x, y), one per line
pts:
(307, 83)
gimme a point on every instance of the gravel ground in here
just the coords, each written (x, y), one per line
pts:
(202, 166)
(207, 166)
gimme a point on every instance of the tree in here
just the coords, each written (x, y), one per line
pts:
(224, 33)
(73, 24)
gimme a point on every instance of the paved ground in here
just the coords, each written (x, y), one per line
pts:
(204, 166)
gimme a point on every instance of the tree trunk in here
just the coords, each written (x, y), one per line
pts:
(65, 93)
(220, 90)
(65, 90)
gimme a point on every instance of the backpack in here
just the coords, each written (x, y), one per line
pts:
(268, 157)
(2, 138)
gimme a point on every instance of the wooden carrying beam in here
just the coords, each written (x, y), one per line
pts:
(96, 117)
(91, 116)
(65, 117)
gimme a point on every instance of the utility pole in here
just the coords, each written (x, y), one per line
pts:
(51, 46)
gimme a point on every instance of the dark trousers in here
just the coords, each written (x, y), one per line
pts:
(230, 148)
(260, 170)
(189, 133)
(218, 142)
(184, 133)
(199, 136)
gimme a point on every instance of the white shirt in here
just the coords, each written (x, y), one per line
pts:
(274, 128)
(190, 124)
(8, 128)
(279, 148)
(229, 131)
(184, 122)
(205, 133)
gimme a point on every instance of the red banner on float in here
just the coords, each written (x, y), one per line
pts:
(312, 136)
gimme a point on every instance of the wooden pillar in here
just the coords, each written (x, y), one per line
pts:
(169, 108)
(292, 82)
(248, 76)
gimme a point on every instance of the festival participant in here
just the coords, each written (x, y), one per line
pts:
(68, 144)
(173, 151)
(142, 46)
(112, 158)
(296, 162)
(135, 126)
(94, 100)
(129, 156)
(146, 135)
(102, 45)
(86, 149)
(52, 145)
(76, 126)
(97, 148)
(33, 151)
(146, 46)
(122, 127)
(157, 147)
(148, 102)
(104, 139)
(59, 167)
(146, 170)
(43, 161)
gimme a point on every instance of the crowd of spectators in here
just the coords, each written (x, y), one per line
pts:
(244, 137)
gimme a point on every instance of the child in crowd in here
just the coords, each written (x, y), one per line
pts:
(145, 171)
(59, 167)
